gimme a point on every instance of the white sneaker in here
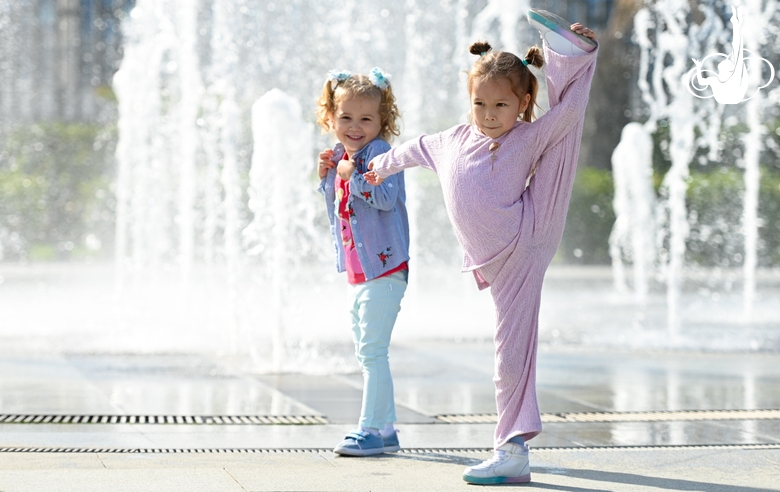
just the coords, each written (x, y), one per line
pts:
(509, 464)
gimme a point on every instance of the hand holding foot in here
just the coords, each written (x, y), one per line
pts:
(584, 31)
(562, 36)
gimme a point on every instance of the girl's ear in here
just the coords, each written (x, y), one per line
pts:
(524, 103)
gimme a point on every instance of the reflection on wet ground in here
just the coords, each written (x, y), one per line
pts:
(431, 379)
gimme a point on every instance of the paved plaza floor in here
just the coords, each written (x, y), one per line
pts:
(613, 420)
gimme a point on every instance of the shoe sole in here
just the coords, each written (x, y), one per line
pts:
(359, 452)
(558, 34)
(391, 449)
(496, 480)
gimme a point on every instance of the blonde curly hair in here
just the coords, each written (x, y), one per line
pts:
(334, 91)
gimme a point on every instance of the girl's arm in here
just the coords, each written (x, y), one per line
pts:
(424, 151)
(568, 84)
(383, 196)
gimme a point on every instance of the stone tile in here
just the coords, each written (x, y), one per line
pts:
(130, 480)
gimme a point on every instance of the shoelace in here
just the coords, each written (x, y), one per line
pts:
(498, 457)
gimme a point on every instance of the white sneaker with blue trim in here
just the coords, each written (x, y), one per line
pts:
(509, 464)
(556, 31)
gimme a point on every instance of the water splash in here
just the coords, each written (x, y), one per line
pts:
(634, 204)
(141, 182)
(508, 13)
(664, 85)
(281, 230)
(664, 91)
(190, 89)
(759, 19)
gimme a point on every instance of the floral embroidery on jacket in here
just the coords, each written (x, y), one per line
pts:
(384, 255)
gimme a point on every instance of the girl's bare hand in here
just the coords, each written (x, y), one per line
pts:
(580, 29)
(345, 169)
(325, 164)
(372, 178)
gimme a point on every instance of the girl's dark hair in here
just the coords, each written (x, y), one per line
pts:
(502, 64)
(359, 86)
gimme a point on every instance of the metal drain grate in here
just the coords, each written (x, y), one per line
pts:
(660, 416)
(419, 451)
(165, 419)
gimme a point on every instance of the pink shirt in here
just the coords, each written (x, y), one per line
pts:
(355, 273)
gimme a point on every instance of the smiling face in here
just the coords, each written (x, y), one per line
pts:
(494, 106)
(356, 122)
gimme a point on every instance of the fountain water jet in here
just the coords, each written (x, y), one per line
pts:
(281, 225)
(677, 108)
(190, 89)
(242, 53)
(756, 24)
(634, 203)
(137, 85)
(665, 91)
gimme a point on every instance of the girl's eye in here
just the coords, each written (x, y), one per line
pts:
(500, 105)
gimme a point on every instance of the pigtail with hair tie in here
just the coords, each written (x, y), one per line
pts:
(379, 78)
(336, 76)
(480, 48)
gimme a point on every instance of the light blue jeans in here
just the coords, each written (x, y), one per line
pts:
(375, 306)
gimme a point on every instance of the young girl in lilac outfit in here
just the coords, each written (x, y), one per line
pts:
(506, 186)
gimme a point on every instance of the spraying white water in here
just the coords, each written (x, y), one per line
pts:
(664, 89)
(634, 202)
(190, 90)
(227, 126)
(667, 92)
(281, 229)
(138, 89)
(254, 271)
(508, 13)
(756, 24)
(668, 97)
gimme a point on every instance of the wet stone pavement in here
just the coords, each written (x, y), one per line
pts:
(613, 420)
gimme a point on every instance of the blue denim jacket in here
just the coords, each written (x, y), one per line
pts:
(380, 226)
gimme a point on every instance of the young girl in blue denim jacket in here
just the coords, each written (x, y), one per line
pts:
(370, 232)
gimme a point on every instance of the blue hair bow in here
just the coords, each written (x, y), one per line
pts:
(336, 76)
(379, 78)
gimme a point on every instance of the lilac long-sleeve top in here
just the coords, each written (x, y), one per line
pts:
(483, 193)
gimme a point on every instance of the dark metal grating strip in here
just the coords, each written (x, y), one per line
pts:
(658, 416)
(423, 451)
(165, 419)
